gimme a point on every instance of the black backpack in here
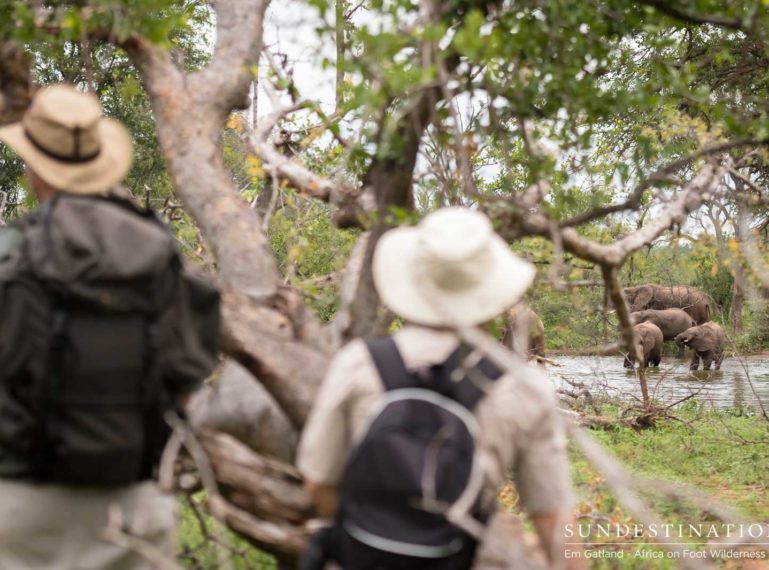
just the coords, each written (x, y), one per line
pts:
(411, 487)
(101, 329)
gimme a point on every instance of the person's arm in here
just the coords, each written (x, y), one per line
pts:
(325, 497)
(326, 438)
(550, 530)
(542, 475)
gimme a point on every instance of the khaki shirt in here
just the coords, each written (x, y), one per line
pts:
(521, 429)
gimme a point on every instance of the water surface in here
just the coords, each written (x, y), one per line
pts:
(729, 387)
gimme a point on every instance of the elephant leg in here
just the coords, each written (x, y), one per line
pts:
(695, 361)
(707, 360)
(681, 353)
(719, 359)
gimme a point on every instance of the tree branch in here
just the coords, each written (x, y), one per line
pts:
(669, 9)
(225, 82)
(519, 223)
(661, 175)
(349, 203)
(15, 83)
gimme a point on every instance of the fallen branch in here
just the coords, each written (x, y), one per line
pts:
(543, 360)
(600, 422)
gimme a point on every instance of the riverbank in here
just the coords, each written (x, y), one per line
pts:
(669, 350)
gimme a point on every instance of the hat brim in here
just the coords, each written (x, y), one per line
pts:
(403, 289)
(90, 177)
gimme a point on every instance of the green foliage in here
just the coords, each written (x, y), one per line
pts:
(11, 184)
(712, 272)
(311, 252)
(57, 51)
(156, 20)
(199, 550)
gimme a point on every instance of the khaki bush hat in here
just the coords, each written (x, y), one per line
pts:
(66, 141)
(450, 270)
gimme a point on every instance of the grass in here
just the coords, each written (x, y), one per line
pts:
(724, 454)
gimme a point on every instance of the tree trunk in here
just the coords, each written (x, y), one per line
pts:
(340, 23)
(15, 82)
(266, 326)
(738, 296)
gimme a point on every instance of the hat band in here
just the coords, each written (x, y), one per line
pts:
(61, 157)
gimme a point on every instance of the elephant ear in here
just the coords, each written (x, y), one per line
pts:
(643, 296)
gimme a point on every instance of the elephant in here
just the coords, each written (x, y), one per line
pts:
(648, 339)
(523, 318)
(707, 341)
(692, 300)
(670, 321)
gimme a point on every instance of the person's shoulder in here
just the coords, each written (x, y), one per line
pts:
(351, 373)
(350, 357)
(525, 394)
(12, 239)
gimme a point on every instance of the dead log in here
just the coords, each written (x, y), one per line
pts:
(267, 488)
(238, 405)
(599, 422)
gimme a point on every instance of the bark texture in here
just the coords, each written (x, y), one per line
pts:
(266, 326)
(236, 403)
(738, 296)
(15, 82)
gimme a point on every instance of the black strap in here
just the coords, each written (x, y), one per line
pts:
(389, 363)
(52, 383)
(467, 391)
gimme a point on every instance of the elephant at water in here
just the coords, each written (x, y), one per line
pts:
(707, 341)
(521, 322)
(692, 300)
(670, 321)
(648, 340)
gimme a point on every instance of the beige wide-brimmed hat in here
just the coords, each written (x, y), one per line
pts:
(450, 270)
(66, 141)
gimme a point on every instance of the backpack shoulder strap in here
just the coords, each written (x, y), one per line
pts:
(467, 390)
(389, 363)
(471, 387)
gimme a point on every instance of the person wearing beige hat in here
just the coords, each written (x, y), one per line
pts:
(67, 143)
(94, 349)
(448, 272)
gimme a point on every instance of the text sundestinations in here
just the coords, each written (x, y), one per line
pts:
(667, 530)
